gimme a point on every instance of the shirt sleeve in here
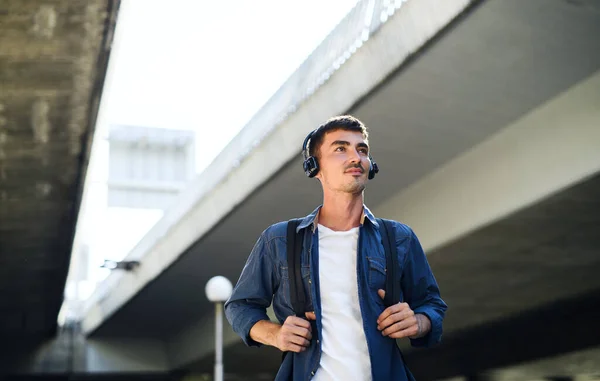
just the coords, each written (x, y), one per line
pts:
(253, 292)
(421, 291)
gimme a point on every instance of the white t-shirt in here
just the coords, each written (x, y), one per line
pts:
(345, 355)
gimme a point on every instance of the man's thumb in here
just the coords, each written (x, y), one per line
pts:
(381, 293)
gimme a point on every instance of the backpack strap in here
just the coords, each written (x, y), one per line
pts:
(294, 254)
(388, 239)
(392, 285)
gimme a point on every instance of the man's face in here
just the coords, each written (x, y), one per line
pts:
(344, 162)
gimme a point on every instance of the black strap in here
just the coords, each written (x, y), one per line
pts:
(294, 255)
(392, 285)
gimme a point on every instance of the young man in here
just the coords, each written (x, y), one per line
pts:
(351, 334)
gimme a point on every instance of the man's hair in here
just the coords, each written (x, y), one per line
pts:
(342, 122)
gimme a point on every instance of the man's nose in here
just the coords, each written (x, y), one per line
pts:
(355, 156)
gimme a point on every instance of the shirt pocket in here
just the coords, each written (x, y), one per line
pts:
(377, 273)
(284, 291)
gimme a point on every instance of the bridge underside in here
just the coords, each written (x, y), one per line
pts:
(52, 64)
(494, 99)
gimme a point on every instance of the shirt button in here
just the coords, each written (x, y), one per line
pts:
(317, 341)
(312, 373)
(309, 281)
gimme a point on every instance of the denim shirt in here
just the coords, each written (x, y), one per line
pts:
(264, 280)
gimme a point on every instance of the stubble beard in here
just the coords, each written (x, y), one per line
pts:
(355, 187)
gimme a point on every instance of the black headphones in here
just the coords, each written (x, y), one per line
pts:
(311, 165)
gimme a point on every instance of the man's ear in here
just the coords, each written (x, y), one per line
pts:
(319, 175)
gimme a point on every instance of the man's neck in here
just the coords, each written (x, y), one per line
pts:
(341, 211)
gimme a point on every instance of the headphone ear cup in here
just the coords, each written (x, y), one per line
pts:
(311, 166)
(373, 169)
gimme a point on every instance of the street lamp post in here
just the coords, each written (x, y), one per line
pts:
(218, 290)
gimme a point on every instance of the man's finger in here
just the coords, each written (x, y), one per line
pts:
(299, 341)
(407, 332)
(399, 326)
(301, 332)
(295, 348)
(381, 293)
(310, 315)
(298, 322)
(395, 318)
(392, 310)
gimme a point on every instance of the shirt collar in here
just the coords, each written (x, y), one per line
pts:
(313, 219)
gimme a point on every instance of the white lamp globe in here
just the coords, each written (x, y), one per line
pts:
(218, 289)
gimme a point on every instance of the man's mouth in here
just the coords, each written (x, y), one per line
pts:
(354, 171)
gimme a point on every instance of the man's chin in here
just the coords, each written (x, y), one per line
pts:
(356, 188)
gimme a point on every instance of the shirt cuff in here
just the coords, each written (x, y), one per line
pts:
(247, 325)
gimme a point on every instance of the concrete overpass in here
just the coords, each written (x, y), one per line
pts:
(53, 58)
(485, 122)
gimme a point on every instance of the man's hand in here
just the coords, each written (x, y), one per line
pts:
(400, 321)
(310, 315)
(294, 335)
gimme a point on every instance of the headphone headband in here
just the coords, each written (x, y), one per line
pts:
(306, 154)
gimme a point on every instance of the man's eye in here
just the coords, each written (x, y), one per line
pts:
(340, 149)
(363, 151)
